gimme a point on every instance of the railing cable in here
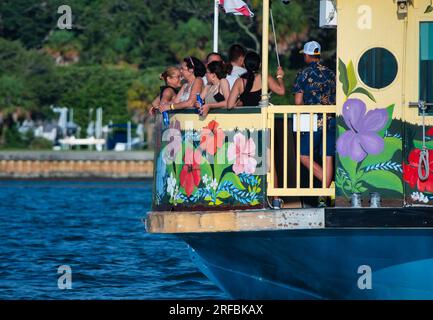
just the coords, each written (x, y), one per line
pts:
(424, 155)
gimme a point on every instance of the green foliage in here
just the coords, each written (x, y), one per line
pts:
(123, 46)
(83, 88)
(349, 81)
(40, 144)
(12, 92)
(13, 139)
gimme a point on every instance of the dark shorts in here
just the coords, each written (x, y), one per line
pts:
(318, 140)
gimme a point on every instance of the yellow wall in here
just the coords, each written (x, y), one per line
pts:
(387, 31)
(227, 121)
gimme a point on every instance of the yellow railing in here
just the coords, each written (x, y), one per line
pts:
(285, 111)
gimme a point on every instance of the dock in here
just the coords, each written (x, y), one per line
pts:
(72, 164)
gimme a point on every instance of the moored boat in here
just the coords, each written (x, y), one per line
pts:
(377, 241)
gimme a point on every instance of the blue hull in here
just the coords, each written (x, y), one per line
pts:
(317, 264)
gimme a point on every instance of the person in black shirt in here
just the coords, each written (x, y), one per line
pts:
(168, 92)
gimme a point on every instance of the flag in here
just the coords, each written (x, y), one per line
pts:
(236, 7)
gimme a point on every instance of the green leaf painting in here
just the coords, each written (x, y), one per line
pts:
(384, 180)
(349, 81)
(365, 92)
(418, 144)
(351, 77)
(393, 145)
(343, 77)
(234, 179)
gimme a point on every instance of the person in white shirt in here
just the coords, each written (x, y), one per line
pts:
(236, 57)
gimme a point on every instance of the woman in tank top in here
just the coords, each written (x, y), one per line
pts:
(247, 90)
(192, 70)
(168, 92)
(216, 93)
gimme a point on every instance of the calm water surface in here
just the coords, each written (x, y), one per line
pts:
(96, 229)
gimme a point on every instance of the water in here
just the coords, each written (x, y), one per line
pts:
(95, 228)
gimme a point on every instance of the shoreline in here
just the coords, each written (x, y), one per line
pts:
(87, 165)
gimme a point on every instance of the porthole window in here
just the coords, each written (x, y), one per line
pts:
(377, 68)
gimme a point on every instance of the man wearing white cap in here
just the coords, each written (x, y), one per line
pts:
(315, 85)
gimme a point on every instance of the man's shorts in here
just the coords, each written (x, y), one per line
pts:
(318, 140)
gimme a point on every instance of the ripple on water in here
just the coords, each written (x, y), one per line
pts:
(96, 228)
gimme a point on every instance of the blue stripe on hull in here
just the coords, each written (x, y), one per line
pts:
(318, 264)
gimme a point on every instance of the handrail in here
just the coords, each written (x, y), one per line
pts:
(285, 111)
(302, 109)
(241, 110)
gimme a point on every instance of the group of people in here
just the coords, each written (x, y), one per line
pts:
(238, 83)
(220, 84)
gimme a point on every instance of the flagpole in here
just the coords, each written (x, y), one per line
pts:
(215, 26)
(265, 52)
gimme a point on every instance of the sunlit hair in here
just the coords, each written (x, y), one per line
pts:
(169, 72)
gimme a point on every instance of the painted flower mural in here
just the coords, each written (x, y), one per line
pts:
(422, 189)
(212, 138)
(174, 138)
(362, 138)
(242, 152)
(160, 178)
(190, 174)
(410, 172)
(369, 144)
(225, 178)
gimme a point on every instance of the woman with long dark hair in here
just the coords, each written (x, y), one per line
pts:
(247, 90)
(192, 70)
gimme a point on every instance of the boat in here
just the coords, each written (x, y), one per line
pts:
(215, 177)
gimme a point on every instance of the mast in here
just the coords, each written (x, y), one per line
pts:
(265, 53)
(215, 26)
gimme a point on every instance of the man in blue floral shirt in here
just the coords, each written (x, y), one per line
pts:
(315, 85)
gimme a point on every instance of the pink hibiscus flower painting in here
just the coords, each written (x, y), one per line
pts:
(242, 152)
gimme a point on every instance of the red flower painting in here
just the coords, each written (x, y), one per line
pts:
(410, 172)
(190, 173)
(212, 138)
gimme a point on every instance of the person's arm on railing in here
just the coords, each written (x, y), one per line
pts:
(155, 104)
(277, 86)
(225, 88)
